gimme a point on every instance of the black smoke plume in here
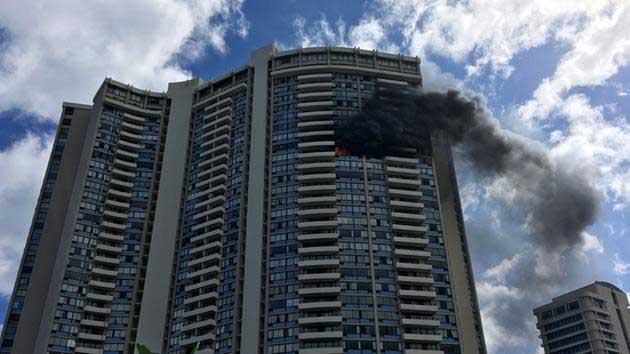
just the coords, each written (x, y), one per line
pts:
(558, 203)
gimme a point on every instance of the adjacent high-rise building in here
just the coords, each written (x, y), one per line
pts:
(592, 319)
(223, 213)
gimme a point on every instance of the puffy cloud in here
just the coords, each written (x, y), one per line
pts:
(483, 33)
(598, 51)
(590, 244)
(23, 166)
(620, 267)
(509, 290)
(370, 34)
(62, 50)
(367, 34)
(597, 145)
(494, 302)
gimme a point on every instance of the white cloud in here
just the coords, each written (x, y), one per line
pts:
(620, 267)
(501, 270)
(320, 33)
(370, 34)
(23, 165)
(483, 33)
(591, 244)
(367, 34)
(469, 194)
(63, 49)
(493, 299)
(599, 145)
(597, 53)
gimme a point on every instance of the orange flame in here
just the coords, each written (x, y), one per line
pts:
(341, 151)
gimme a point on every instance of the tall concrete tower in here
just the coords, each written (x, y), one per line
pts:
(223, 213)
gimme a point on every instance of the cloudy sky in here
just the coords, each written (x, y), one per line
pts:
(555, 72)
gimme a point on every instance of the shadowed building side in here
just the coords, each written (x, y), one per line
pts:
(27, 304)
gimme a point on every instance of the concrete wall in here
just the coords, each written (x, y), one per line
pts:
(153, 314)
(252, 282)
(36, 314)
(462, 280)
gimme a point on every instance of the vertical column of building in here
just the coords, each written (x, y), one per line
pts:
(101, 286)
(230, 297)
(413, 273)
(386, 317)
(282, 242)
(122, 327)
(97, 265)
(358, 221)
(320, 320)
(205, 303)
(455, 283)
(158, 266)
(203, 223)
(73, 120)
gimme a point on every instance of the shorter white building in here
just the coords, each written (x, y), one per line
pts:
(591, 319)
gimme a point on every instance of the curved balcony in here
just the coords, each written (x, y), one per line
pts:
(133, 118)
(323, 224)
(315, 115)
(403, 279)
(129, 145)
(411, 241)
(314, 277)
(107, 260)
(317, 135)
(313, 212)
(321, 335)
(132, 127)
(322, 350)
(420, 294)
(200, 310)
(102, 285)
(429, 338)
(415, 322)
(325, 236)
(318, 250)
(402, 252)
(315, 95)
(318, 263)
(201, 297)
(318, 177)
(314, 77)
(319, 320)
(319, 305)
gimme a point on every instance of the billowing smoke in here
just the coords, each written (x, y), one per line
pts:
(558, 204)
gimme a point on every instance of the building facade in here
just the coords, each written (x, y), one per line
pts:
(223, 213)
(593, 319)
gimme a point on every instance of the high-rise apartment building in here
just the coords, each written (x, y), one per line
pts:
(592, 319)
(223, 213)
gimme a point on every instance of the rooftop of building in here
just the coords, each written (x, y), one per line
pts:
(577, 292)
(227, 78)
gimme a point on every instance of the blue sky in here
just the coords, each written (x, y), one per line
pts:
(553, 72)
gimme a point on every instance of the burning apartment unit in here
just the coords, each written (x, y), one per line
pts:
(233, 214)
